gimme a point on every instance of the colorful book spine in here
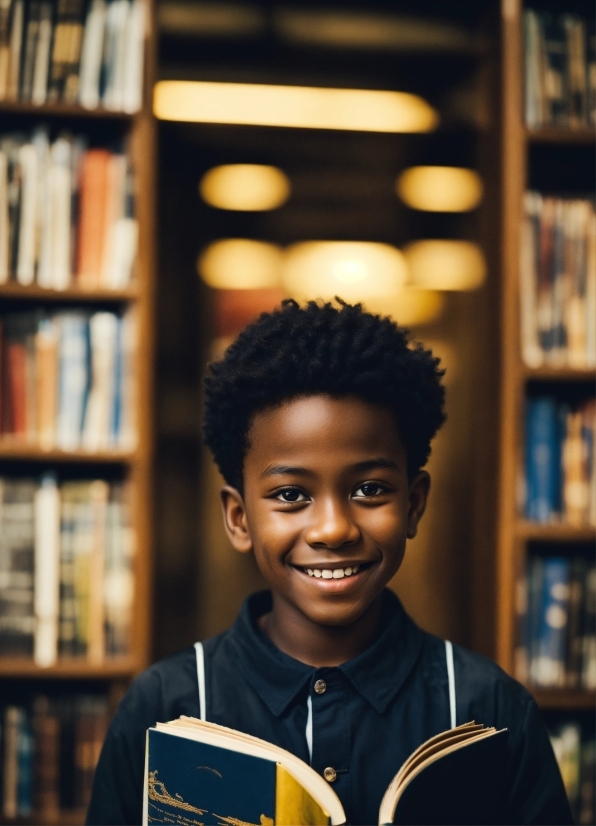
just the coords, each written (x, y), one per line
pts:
(542, 459)
(73, 51)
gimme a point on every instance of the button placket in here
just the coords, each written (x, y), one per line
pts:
(330, 738)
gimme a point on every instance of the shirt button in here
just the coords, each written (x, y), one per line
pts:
(330, 774)
(321, 687)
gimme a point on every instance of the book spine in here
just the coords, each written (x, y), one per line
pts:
(542, 459)
(17, 617)
(47, 570)
(46, 729)
(589, 636)
(39, 85)
(549, 668)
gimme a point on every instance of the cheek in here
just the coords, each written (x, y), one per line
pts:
(386, 526)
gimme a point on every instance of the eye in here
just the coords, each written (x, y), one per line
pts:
(369, 489)
(291, 495)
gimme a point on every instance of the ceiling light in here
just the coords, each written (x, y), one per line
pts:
(410, 307)
(354, 270)
(245, 187)
(240, 264)
(292, 106)
(445, 265)
(440, 188)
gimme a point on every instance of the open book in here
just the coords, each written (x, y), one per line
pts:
(200, 773)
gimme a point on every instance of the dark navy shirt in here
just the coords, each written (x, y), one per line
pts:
(372, 713)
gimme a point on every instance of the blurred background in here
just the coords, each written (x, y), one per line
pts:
(169, 169)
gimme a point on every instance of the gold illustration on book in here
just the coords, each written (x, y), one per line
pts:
(158, 792)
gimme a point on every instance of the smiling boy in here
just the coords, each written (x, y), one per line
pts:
(320, 419)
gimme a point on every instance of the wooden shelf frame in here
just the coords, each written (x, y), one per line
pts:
(40, 295)
(61, 110)
(513, 532)
(141, 130)
(69, 669)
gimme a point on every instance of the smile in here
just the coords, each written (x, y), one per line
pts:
(332, 573)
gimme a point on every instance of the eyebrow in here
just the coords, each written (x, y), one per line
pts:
(293, 470)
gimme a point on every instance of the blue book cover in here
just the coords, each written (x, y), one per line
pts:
(190, 782)
(552, 631)
(543, 459)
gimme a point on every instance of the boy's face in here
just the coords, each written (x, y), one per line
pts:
(327, 506)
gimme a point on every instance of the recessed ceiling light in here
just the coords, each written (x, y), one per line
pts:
(440, 188)
(245, 187)
(292, 106)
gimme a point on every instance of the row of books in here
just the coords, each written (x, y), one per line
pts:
(575, 751)
(560, 69)
(560, 472)
(67, 379)
(66, 569)
(557, 623)
(558, 282)
(73, 51)
(50, 748)
(67, 213)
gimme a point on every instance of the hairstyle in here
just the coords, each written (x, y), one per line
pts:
(336, 349)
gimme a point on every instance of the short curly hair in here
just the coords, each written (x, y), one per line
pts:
(335, 349)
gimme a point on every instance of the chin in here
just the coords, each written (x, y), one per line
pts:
(334, 616)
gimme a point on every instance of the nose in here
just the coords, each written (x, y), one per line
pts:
(332, 525)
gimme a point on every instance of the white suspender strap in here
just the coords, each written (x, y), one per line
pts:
(309, 726)
(201, 679)
(451, 681)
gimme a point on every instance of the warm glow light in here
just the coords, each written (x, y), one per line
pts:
(245, 187)
(354, 270)
(240, 264)
(445, 265)
(294, 106)
(440, 188)
(411, 306)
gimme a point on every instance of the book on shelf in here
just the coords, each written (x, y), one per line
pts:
(560, 70)
(560, 473)
(215, 774)
(67, 213)
(67, 379)
(66, 569)
(575, 751)
(557, 623)
(73, 51)
(50, 749)
(558, 282)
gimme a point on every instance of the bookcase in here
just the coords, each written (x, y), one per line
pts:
(85, 679)
(531, 159)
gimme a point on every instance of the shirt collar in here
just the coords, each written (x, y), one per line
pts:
(377, 674)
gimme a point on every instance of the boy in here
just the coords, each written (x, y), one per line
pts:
(320, 419)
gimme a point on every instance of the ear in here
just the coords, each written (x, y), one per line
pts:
(234, 518)
(418, 497)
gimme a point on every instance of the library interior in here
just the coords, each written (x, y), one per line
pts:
(169, 170)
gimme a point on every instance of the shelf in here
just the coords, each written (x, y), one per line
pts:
(60, 110)
(555, 532)
(21, 451)
(67, 669)
(564, 698)
(568, 374)
(17, 292)
(561, 135)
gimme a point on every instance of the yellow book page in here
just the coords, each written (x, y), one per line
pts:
(293, 804)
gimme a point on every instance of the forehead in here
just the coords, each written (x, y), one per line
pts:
(317, 427)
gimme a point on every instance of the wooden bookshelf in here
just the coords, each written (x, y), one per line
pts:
(559, 135)
(513, 532)
(60, 110)
(69, 669)
(76, 295)
(140, 131)
(23, 452)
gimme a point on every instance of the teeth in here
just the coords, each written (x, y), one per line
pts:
(333, 573)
